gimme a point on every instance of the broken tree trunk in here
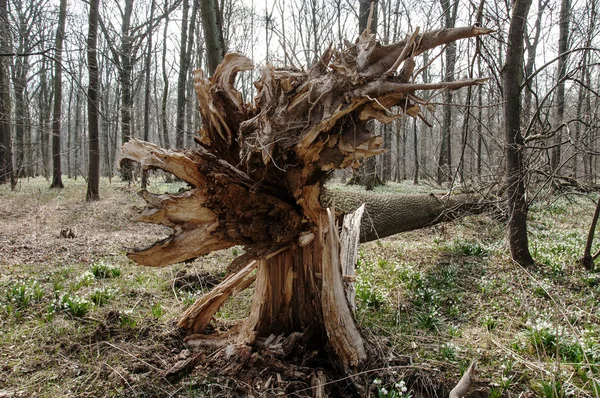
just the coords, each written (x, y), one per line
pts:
(258, 181)
(390, 214)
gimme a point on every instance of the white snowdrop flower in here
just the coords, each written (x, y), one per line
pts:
(384, 391)
(403, 390)
(376, 382)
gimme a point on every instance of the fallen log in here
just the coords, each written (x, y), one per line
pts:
(390, 214)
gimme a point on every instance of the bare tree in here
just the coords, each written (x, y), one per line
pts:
(6, 162)
(147, 63)
(57, 114)
(512, 76)
(185, 56)
(93, 190)
(444, 172)
(563, 47)
(213, 35)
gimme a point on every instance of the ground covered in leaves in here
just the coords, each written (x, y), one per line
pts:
(77, 319)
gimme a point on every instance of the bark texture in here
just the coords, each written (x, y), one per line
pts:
(390, 214)
(512, 76)
(258, 181)
(94, 145)
(56, 115)
(6, 166)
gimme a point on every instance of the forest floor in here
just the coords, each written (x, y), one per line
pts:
(78, 319)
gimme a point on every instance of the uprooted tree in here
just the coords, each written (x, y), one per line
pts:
(258, 181)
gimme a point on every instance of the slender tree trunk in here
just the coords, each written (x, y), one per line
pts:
(366, 175)
(77, 133)
(44, 104)
(403, 158)
(104, 102)
(57, 114)
(147, 65)
(165, 95)
(187, 42)
(479, 122)
(125, 72)
(21, 116)
(588, 260)
(397, 136)
(425, 130)
(189, 112)
(94, 147)
(444, 172)
(182, 76)
(386, 166)
(563, 46)
(6, 161)
(415, 153)
(213, 35)
(532, 43)
(70, 131)
(512, 76)
(580, 102)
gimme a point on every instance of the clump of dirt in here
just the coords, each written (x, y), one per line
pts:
(203, 280)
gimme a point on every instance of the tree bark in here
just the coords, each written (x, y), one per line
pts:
(147, 90)
(512, 76)
(165, 96)
(213, 35)
(125, 72)
(563, 47)
(444, 172)
(94, 144)
(390, 214)
(6, 161)
(588, 260)
(57, 114)
(76, 138)
(44, 103)
(20, 73)
(415, 154)
(367, 175)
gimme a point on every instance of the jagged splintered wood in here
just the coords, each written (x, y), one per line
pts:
(258, 181)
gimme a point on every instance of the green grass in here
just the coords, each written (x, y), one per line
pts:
(77, 318)
(100, 270)
(445, 289)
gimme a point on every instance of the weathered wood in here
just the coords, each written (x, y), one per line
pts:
(317, 383)
(462, 387)
(210, 216)
(341, 329)
(197, 317)
(258, 182)
(349, 239)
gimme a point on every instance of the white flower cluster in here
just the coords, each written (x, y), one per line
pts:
(398, 389)
(401, 386)
(66, 302)
(86, 278)
(451, 346)
(591, 343)
(540, 324)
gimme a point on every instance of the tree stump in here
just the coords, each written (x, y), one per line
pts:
(258, 178)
